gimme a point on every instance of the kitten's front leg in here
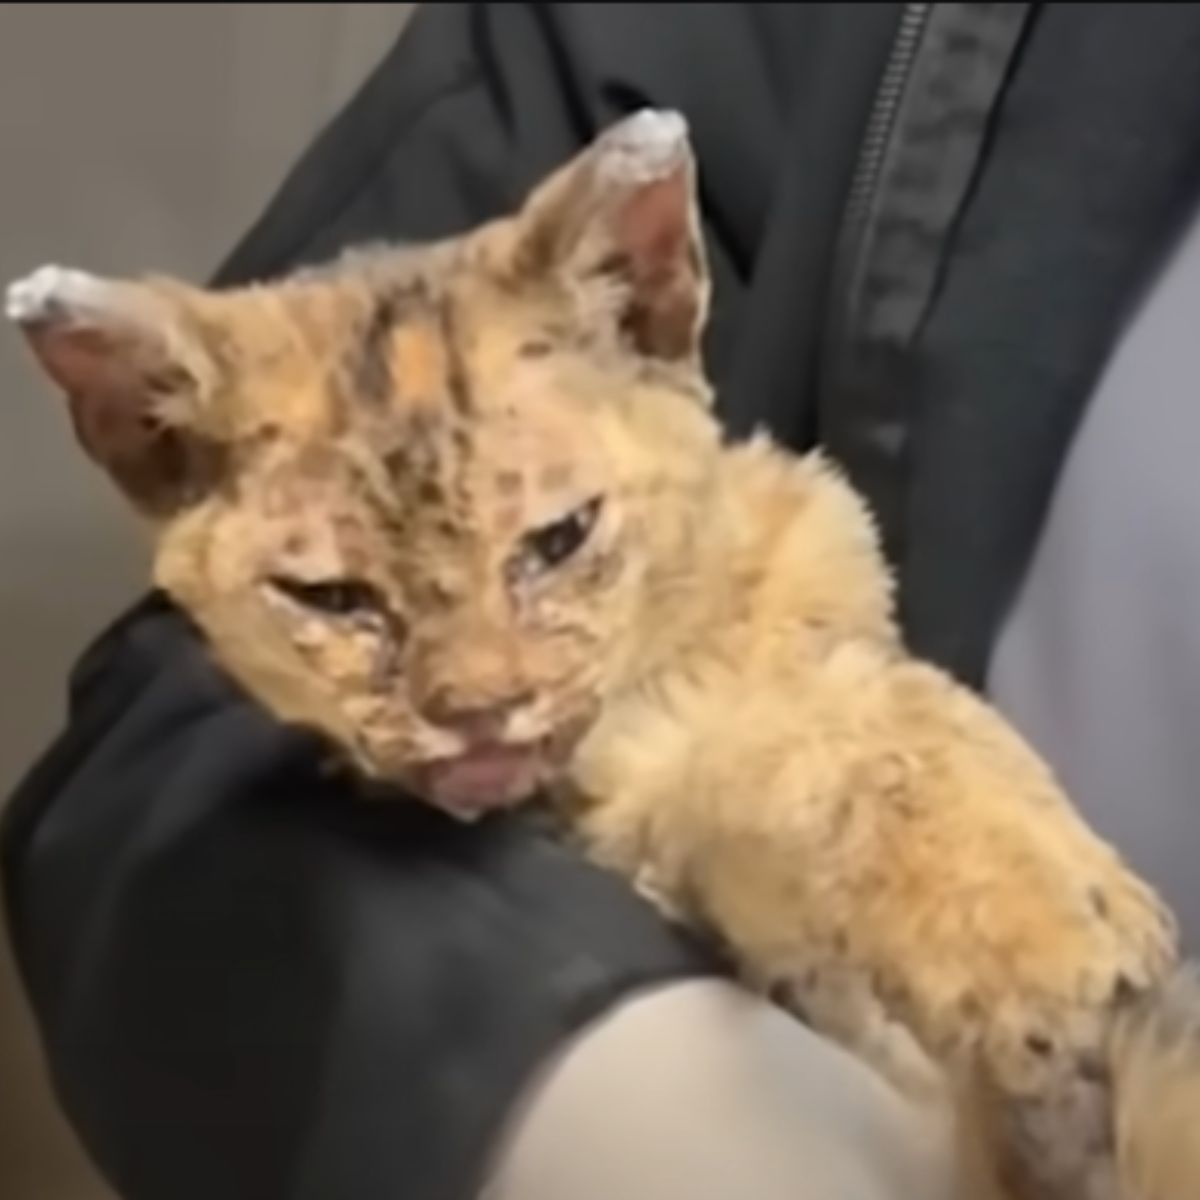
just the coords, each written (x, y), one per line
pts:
(798, 964)
(811, 977)
(840, 1002)
(989, 957)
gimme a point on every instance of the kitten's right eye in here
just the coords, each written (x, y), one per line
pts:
(332, 597)
(553, 544)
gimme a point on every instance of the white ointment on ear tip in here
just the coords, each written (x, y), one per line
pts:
(645, 145)
(49, 289)
(652, 128)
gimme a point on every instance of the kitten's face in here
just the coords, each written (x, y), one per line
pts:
(446, 577)
(422, 500)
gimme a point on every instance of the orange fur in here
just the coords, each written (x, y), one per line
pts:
(710, 678)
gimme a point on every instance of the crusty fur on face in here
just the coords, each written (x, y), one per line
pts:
(428, 494)
(498, 449)
(415, 426)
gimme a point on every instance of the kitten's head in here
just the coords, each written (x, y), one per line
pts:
(421, 500)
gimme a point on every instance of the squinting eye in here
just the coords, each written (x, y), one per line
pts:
(334, 597)
(554, 544)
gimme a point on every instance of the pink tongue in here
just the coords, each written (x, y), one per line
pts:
(483, 779)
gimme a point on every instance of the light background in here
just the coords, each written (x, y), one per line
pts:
(131, 137)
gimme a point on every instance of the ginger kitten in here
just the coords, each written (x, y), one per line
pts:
(463, 508)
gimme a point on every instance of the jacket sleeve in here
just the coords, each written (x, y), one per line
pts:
(208, 937)
(251, 984)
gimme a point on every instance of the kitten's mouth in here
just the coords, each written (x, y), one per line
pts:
(485, 778)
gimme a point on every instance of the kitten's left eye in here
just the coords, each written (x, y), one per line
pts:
(333, 597)
(553, 544)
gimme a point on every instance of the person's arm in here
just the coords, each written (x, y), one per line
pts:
(248, 985)
(700, 1091)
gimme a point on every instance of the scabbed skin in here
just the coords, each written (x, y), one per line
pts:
(464, 509)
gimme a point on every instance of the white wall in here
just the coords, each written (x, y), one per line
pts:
(131, 137)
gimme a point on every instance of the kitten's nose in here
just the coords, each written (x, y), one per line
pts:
(476, 721)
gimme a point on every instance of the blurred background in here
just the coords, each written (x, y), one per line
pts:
(131, 137)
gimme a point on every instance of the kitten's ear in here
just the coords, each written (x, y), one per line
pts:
(624, 213)
(136, 374)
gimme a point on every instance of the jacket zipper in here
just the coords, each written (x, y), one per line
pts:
(864, 184)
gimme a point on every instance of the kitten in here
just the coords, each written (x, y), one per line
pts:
(464, 508)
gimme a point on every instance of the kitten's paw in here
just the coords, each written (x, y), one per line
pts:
(51, 292)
